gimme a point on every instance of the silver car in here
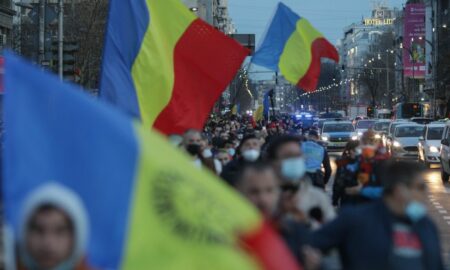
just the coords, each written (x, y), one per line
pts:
(404, 141)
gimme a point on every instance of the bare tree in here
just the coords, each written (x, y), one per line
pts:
(377, 75)
(86, 24)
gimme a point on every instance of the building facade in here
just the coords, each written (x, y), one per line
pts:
(6, 23)
(358, 42)
(214, 12)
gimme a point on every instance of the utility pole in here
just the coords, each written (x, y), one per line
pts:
(42, 4)
(61, 40)
(387, 81)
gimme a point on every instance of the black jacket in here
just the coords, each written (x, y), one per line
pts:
(363, 236)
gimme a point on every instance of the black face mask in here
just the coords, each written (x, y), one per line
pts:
(193, 149)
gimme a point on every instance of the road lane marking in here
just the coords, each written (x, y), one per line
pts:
(436, 203)
(438, 207)
(442, 211)
(446, 217)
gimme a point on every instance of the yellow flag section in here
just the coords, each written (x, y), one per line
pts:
(183, 217)
(297, 55)
(259, 113)
(153, 71)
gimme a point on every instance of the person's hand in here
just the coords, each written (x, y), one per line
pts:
(354, 190)
(312, 258)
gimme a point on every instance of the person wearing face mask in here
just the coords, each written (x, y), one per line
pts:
(259, 184)
(196, 146)
(285, 154)
(394, 233)
(368, 170)
(346, 175)
(248, 151)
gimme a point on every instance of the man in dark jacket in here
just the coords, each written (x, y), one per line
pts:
(393, 233)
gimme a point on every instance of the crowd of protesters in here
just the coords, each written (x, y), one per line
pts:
(376, 217)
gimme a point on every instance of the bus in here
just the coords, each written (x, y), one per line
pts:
(408, 110)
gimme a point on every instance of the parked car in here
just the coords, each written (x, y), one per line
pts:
(404, 141)
(430, 143)
(338, 133)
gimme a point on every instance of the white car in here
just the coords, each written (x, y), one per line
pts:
(387, 139)
(363, 125)
(404, 141)
(430, 144)
(338, 133)
(381, 128)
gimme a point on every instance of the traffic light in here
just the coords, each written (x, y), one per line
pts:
(370, 112)
(69, 50)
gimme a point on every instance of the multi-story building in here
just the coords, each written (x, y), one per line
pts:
(441, 32)
(6, 23)
(214, 12)
(356, 44)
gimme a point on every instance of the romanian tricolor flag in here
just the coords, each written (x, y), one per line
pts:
(165, 66)
(148, 206)
(295, 48)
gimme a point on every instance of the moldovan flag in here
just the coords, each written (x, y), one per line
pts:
(148, 206)
(295, 48)
(165, 66)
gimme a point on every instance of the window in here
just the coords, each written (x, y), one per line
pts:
(409, 132)
(435, 133)
(365, 124)
(338, 128)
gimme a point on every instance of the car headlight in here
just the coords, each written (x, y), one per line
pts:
(377, 136)
(397, 144)
(360, 133)
(434, 149)
(354, 138)
(325, 138)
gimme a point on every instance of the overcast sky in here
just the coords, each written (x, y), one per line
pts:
(329, 16)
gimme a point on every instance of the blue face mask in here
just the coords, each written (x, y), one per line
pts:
(293, 169)
(415, 211)
(231, 152)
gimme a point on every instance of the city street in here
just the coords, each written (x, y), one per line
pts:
(439, 206)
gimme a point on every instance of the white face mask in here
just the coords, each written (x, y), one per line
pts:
(231, 151)
(251, 155)
(207, 153)
(293, 169)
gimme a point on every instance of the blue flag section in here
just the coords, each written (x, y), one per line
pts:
(266, 103)
(41, 113)
(274, 41)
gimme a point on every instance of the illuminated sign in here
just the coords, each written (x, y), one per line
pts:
(373, 21)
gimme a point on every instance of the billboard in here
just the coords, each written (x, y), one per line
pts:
(414, 58)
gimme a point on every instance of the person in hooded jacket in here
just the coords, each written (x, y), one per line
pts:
(53, 232)
(248, 151)
(346, 175)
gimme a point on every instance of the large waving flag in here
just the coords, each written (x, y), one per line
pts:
(164, 65)
(295, 48)
(149, 208)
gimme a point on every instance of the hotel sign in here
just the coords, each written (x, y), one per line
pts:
(374, 21)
